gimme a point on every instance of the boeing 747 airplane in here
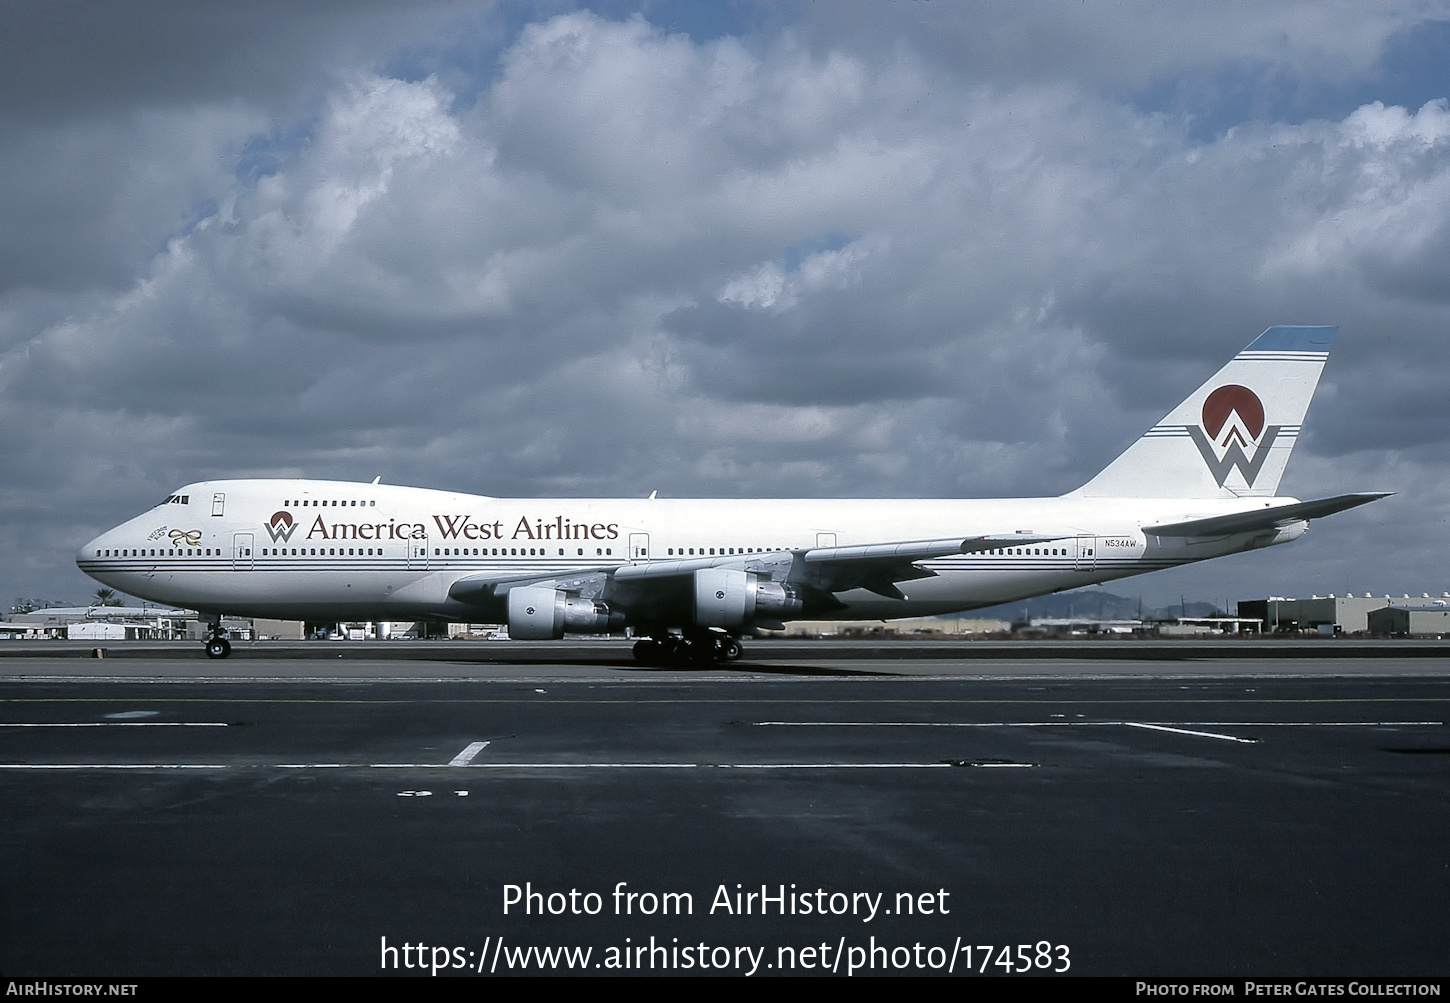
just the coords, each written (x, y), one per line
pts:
(691, 576)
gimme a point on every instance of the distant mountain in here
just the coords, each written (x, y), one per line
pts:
(1092, 604)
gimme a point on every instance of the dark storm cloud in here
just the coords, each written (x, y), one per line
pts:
(75, 59)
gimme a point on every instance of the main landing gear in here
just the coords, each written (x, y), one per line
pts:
(216, 643)
(700, 648)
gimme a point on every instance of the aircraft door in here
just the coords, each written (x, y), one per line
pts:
(218, 503)
(241, 551)
(1087, 549)
(418, 553)
(638, 546)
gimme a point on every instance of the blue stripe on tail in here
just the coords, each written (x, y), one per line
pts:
(1287, 338)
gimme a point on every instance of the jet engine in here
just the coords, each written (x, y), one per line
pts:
(539, 613)
(728, 598)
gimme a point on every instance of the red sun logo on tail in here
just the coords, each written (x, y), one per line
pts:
(1229, 400)
(1233, 421)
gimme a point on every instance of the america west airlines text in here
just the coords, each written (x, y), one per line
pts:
(465, 527)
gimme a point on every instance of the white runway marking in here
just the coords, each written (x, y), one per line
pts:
(1316, 724)
(1175, 727)
(1167, 725)
(833, 766)
(466, 756)
(1185, 731)
(115, 724)
(491, 766)
(465, 759)
(112, 766)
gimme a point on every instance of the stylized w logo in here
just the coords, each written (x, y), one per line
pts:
(281, 527)
(1234, 456)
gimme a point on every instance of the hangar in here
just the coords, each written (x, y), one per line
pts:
(1419, 619)
(1330, 614)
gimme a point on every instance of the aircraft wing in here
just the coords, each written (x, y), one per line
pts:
(1265, 518)
(876, 567)
(873, 566)
(481, 589)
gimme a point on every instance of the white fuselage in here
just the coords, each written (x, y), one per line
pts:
(331, 550)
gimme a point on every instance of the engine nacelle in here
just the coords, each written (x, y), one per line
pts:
(777, 601)
(1289, 533)
(725, 597)
(539, 613)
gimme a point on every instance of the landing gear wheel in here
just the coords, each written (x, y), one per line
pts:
(648, 652)
(218, 647)
(731, 649)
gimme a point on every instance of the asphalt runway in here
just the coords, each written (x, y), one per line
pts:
(804, 814)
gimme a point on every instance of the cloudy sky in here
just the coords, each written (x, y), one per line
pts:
(715, 249)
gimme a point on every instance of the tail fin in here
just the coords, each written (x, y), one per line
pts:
(1232, 437)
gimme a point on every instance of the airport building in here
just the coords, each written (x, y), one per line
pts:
(156, 623)
(1419, 619)
(952, 626)
(1331, 614)
(100, 623)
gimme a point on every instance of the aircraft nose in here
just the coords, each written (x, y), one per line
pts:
(91, 550)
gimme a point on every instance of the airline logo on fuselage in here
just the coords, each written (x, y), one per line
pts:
(281, 527)
(1233, 422)
(448, 527)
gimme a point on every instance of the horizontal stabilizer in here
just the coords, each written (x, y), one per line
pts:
(1265, 518)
